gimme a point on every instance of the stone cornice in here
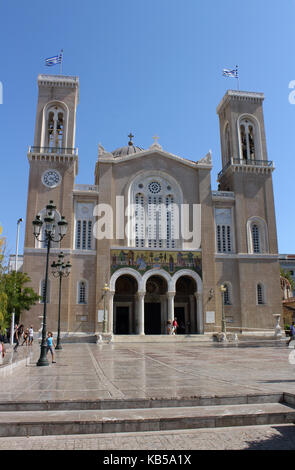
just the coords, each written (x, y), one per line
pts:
(58, 81)
(106, 157)
(235, 95)
(67, 251)
(248, 256)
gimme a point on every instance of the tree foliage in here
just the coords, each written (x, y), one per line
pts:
(20, 297)
(287, 275)
(15, 295)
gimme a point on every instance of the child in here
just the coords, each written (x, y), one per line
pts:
(50, 345)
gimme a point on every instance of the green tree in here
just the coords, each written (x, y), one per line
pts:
(287, 275)
(19, 296)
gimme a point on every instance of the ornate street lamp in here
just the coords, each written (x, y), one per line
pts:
(53, 232)
(104, 325)
(60, 270)
(223, 289)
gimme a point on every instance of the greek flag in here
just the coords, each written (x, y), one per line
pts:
(57, 59)
(230, 73)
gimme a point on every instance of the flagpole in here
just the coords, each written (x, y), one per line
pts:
(237, 70)
(62, 52)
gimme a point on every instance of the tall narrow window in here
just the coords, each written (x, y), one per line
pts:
(260, 294)
(82, 292)
(255, 238)
(140, 221)
(78, 234)
(227, 142)
(227, 295)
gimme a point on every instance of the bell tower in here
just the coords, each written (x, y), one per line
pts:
(247, 175)
(53, 158)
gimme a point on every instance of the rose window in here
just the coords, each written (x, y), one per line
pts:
(154, 187)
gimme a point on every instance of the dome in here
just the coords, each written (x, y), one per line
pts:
(127, 149)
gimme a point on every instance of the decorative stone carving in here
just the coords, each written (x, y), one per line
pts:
(206, 160)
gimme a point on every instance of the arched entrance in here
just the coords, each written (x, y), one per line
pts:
(155, 311)
(184, 305)
(124, 305)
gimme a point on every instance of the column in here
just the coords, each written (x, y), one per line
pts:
(200, 322)
(192, 313)
(140, 312)
(170, 296)
(110, 311)
(163, 314)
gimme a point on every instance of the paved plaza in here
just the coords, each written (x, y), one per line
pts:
(145, 370)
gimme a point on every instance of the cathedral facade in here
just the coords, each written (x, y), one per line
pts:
(150, 240)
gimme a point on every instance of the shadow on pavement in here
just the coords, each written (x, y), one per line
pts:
(284, 441)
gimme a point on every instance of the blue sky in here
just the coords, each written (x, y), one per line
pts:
(150, 67)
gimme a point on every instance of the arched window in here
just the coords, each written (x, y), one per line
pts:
(257, 235)
(42, 291)
(255, 238)
(155, 200)
(227, 295)
(249, 149)
(82, 292)
(260, 294)
(227, 144)
(55, 127)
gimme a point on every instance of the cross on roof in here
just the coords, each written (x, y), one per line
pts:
(130, 137)
(156, 138)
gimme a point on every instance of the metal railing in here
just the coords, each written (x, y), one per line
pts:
(86, 187)
(229, 194)
(242, 162)
(54, 150)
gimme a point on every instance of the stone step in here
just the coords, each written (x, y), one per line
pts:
(40, 423)
(186, 338)
(135, 403)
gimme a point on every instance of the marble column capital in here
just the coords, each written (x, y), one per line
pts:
(171, 294)
(139, 295)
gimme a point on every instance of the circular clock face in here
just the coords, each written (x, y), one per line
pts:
(51, 178)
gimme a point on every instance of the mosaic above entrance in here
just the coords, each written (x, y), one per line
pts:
(143, 260)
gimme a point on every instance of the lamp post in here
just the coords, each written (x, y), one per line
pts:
(16, 256)
(60, 270)
(53, 232)
(104, 325)
(223, 325)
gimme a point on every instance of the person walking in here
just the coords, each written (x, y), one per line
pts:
(20, 332)
(50, 345)
(292, 333)
(175, 326)
(15, 338)
(26, 337)
(169, 328)
(2, 347)
(31, 336)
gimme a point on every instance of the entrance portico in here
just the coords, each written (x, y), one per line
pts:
(142, 304)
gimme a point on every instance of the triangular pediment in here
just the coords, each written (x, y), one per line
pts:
(154, 150)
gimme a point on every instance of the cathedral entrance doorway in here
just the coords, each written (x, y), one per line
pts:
(124, 305)
(152, 318)
(185, 308)
(155, 311)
